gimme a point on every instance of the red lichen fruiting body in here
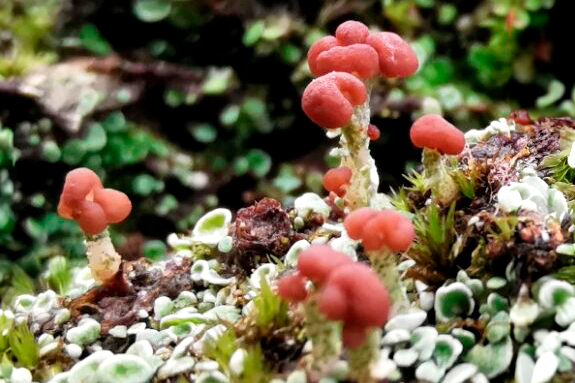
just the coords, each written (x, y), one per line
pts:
(329, 100)
(368, 299)
(396, 57)
(399, 231)
(79, 185)
(318, 261)
(321, 45)
(373, 236)
(91, 217)
(434, 132)
(351, 32)
(356, 220)
(332, 302)
(336, 180)
(359, 59)
(292, 287)
(373, 132)
(353, 335)
(115, 204)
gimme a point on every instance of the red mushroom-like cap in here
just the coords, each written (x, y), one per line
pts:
(368, 299)
(434, 132)
(359, 59)
(115, 204)
(378, 229)
(351, 32)
(332, 302)
(373, 236)
(292, 287)
(329, 100)
(80, 184)
(336, 180)
(84, 199)
(399, 231)
(91, 217)
(318, 261)
(356, 220)
(321, 45)
(396, 57)
(388, 228)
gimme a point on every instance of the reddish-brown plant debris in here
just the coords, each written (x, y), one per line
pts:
(259, 230)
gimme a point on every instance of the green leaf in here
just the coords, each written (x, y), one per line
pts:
(151, 11)
(91, 39)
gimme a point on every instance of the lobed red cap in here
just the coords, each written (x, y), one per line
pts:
(355, 221)
(367, 298)
(79, 184)
(434, 132)
(359, 59)
(115, 204)
(329, 100)
(396, 57)
(321, 45)
(378, 229)
(351, 32)
(332, 302)
(85, 200)
(292, 287)
(318, 261)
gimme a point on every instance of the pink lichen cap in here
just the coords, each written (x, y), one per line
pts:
(396, 57)
(434, 132)
(378, 229)
(318, 261)
(337, 179)
(85, 200)
(329, 100)
(292, 287)
(351, 32)
(357, 59)
(353, 293)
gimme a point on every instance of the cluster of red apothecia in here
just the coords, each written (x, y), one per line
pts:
(85, 200)
(344, 289)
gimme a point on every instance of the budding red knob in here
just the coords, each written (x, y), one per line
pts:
(373, 132)
(434, 132)
(292, 287)
(337, 179)
(329, 100)
(351, 32)
(396, 57)
(321, 45)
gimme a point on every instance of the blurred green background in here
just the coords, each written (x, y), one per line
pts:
(189, 104)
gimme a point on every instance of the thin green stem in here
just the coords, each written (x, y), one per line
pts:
(323, 334)
(360, 358)
(355, 155)
(384, 264)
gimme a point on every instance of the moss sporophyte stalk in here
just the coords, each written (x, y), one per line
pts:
(463, 275)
